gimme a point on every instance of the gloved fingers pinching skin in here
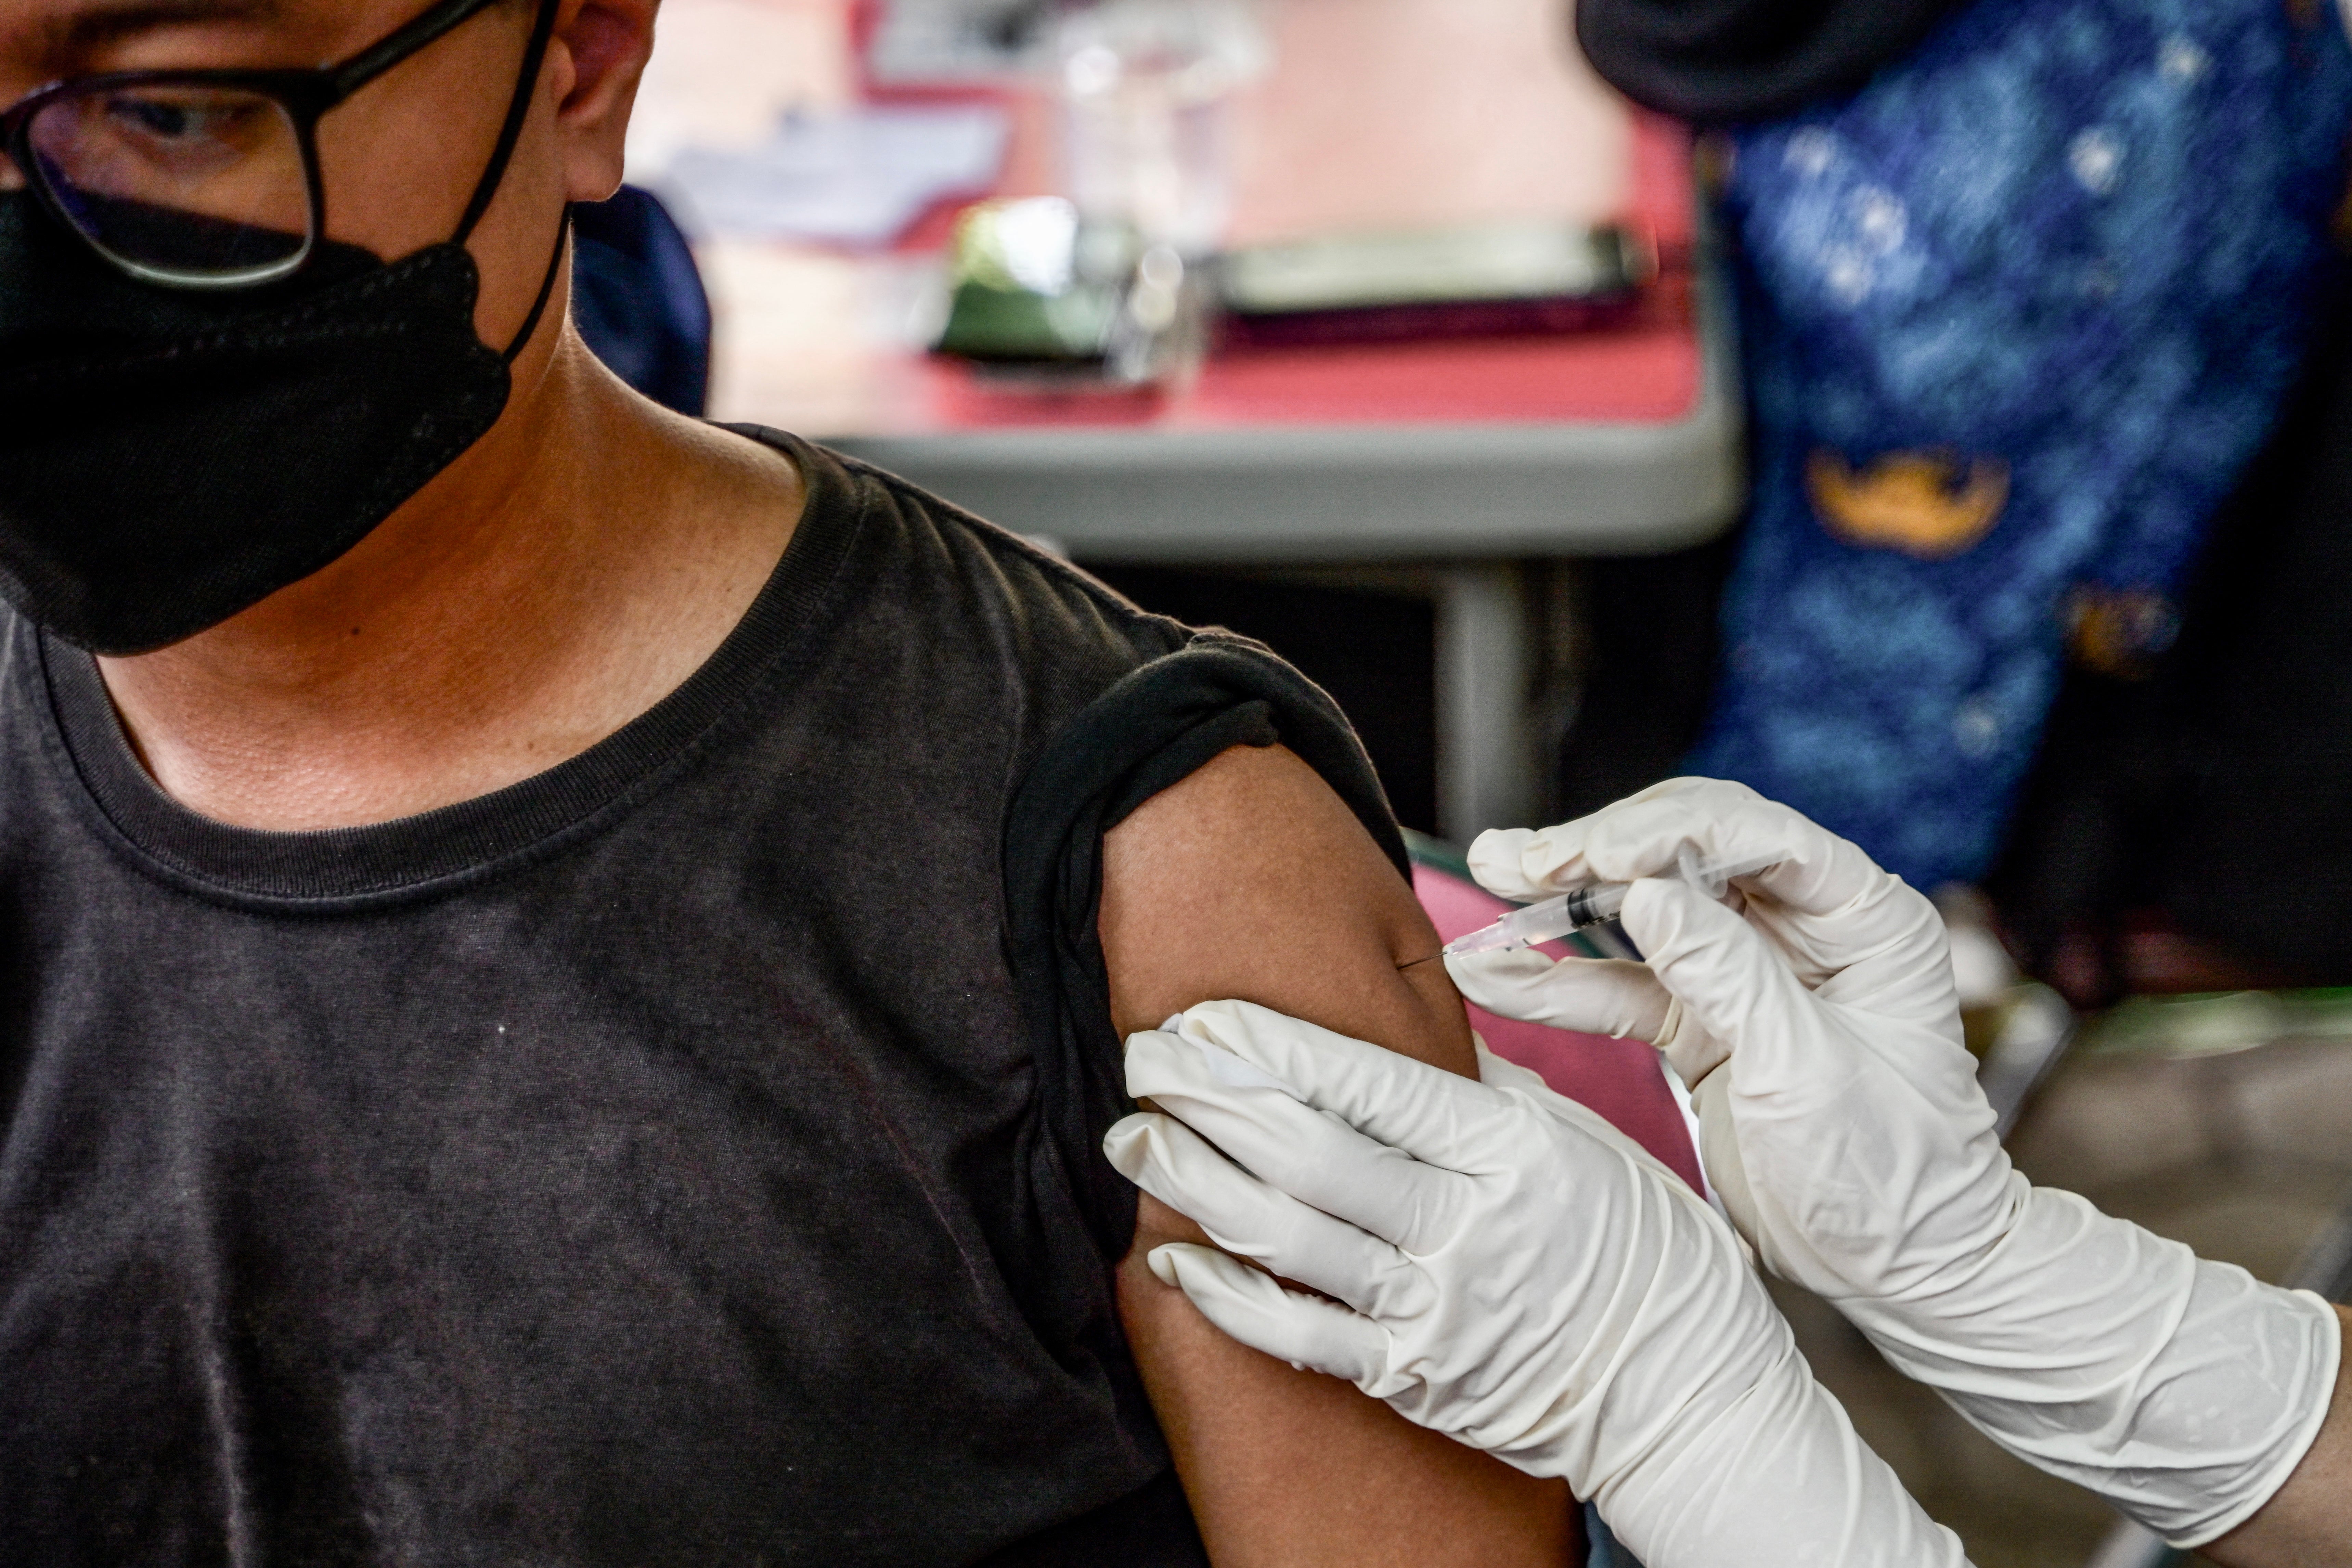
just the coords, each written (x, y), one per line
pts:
(1253, 1308)
(1247, 1217)
(1307, 1152)
(1434, 1116)
(1578, 1312)
(1593, 995)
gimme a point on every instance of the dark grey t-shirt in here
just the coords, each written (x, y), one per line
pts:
(650, 1164)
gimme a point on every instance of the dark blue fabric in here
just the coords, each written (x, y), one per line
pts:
(1603, 1548)
(638, 301)
(2018, 314)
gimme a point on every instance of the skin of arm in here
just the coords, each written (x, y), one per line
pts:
(1251, 879)
(2308, 1524)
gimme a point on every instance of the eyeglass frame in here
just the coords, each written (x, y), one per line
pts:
(306, 94)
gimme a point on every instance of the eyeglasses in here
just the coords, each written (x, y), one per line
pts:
(208, 179)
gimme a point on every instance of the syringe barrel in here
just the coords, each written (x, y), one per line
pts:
(1555, 917)
(1590, 905)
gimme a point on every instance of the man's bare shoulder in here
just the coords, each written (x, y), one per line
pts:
(1252, 880)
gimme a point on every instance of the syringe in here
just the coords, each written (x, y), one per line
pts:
(1555, 917)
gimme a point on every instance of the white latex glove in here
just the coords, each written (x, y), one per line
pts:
(1813, 1014)
(1516, 1274)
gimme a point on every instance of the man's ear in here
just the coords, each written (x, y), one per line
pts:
(597, 57)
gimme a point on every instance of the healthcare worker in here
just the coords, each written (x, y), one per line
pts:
(1504, 1266)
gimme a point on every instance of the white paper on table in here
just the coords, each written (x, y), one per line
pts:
(858, 177)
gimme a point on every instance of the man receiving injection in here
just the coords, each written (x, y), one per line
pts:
(1501, 1265)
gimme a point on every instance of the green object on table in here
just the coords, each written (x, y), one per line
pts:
(1036, 284)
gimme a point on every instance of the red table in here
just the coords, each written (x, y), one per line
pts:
(1446, 468)
(1621, 440)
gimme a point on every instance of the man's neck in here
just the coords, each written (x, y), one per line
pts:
(562, 577)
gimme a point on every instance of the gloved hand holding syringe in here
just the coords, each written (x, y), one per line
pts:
(1596, 905)
(1521, 1282)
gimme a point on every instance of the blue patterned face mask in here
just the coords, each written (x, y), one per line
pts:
(2017, 315)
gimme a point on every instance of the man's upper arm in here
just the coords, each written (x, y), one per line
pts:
(1251, 879)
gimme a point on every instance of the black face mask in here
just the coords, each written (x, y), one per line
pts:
(170, 458)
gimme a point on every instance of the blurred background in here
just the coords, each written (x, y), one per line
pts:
(1924, 411)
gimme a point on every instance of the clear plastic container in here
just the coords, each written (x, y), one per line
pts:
(1147, 90)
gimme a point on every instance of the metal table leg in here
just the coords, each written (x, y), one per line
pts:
(1487, 770)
